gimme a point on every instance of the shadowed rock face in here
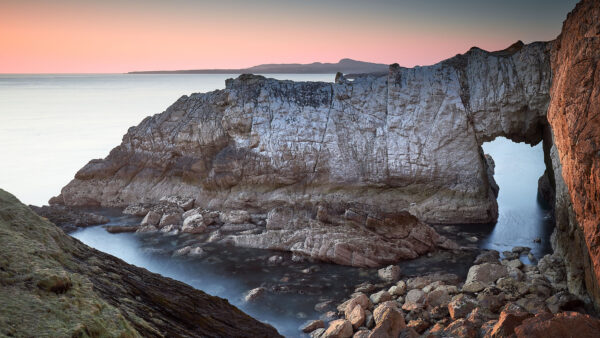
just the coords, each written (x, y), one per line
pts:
(406, 141)
(574, 115)
(53, 285)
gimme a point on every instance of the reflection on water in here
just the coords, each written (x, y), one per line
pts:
(522, 218)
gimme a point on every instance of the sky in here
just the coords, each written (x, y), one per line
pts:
(115, 36)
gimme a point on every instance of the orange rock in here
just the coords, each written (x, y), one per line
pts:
(573, 115)
(564, 324)
(507, 322)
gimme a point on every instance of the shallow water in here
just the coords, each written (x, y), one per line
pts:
(293, 288)
(51, 125)
(522, 217)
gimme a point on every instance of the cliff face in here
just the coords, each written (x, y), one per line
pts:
(53, 285)
(574, 115)
(406, 141)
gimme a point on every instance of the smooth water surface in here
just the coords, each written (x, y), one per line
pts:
(52, 125)
(293, 288)
(522, 218)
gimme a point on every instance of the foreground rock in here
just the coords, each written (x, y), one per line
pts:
(42, 270)
(68, 218)
(575, 129)
(526, 301)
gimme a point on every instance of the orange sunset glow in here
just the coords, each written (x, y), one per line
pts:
(119, 36)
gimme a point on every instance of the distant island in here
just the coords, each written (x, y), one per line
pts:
(345, 66)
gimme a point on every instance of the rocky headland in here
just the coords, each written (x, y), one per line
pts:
(355, 172)
(52, 285)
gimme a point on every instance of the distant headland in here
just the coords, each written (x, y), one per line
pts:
(345, 66)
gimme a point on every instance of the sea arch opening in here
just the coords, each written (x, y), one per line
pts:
(524, 218)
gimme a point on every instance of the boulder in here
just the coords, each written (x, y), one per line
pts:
(415, 299)
(564, 324)
(486, 273)
(357, 316)
(254, 294)
(460, 306)
(339, 328)
(152, 218)
(508, 321)
(388, 324)
(194, 224)
(380, 297)
(170, 219)
(312, 325)
(391, 273)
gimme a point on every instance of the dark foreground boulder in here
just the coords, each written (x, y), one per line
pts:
(53, 285)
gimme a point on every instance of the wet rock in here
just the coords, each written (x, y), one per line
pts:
(391, 273)
(312, 325)
(117, 229)
(510, 255)
(254, 294)
(521, 249)
(339, 328)
(564, 324)
(460, 306)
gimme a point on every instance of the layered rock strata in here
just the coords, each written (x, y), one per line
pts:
(355, 239)
(574, 116)
(53, 285)
(409, 140)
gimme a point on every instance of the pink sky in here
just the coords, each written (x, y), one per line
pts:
(107, 37)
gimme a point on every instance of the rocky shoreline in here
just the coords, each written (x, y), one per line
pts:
(499, 298)
(353, 238)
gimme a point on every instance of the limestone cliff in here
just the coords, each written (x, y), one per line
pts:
(52, 285)
(409, 140)
(574, 115)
